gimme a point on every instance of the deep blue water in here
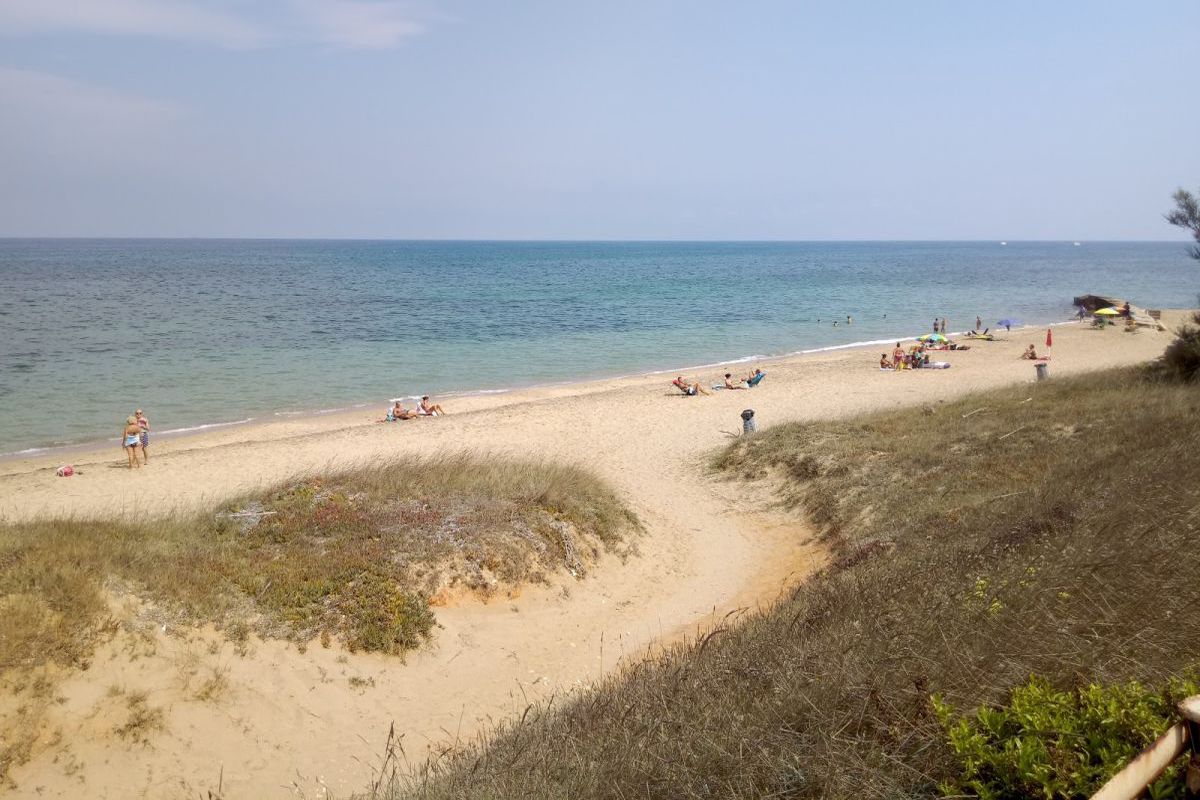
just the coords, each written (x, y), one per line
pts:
(206, 331)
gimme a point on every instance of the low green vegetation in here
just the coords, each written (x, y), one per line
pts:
(1044, 529)
(356, 556)
(1044, 742)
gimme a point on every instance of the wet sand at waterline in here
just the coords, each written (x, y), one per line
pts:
(291, 724)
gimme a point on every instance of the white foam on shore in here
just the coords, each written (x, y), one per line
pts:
(204, 427)
(29, 451)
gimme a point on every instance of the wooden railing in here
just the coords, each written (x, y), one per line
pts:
(1183, 737)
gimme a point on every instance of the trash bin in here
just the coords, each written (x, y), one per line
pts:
(748, 425)
(1043, 371)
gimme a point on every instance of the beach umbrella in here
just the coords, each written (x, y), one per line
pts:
(1049, 338)
(1106, 312)
(1007, 322)
(931, 337)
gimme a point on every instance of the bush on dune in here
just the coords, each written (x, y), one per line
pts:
(1181, 360)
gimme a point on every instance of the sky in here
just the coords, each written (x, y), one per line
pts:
(616, 119)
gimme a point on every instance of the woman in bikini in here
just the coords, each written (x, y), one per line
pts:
(428, 409)
(131, 440)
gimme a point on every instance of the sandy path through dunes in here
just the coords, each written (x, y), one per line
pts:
(291, 723)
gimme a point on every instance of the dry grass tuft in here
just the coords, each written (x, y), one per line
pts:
(141, 721)
(1053, 533)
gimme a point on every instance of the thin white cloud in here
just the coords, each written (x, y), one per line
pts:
(357, 24)
(170, 19)
(51, 121)
(40, 93)
(345, 24)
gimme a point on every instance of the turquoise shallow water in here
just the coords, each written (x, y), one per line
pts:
(212, 331)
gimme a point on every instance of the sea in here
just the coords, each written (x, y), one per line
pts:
(203, 333)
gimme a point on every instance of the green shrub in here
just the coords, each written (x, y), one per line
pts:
(1056, 744)
(1181, 359)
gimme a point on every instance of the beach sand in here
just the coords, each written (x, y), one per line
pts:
(292, 724)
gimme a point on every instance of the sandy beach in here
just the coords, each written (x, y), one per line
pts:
(296, 725)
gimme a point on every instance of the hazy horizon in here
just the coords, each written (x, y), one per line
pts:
(621, 121)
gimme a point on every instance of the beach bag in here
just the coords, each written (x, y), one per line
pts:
(65, 471)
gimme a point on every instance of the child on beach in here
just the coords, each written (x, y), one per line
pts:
(729, 384)
(1030, 353)
(883, 361)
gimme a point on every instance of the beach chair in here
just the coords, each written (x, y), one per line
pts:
(756, 380)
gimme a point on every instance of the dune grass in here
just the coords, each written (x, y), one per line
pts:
(1047, 529)
(355, 556)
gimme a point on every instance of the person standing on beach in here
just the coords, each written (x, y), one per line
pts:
(943, 328)
(978, 322)
(144, 436)
(131, 440)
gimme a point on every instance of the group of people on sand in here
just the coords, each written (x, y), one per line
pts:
(692, 388)
(916, 357)
(423, 409)
(135, 438)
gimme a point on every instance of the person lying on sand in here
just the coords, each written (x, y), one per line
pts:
(690, 389)
(427, 409)
(1030, 353)
(883, 361)
(729, 384)
(398, 412)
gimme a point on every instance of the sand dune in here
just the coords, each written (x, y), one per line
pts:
(291, 723)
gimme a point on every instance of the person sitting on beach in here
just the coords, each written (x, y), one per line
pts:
(398, 412)
(427, 409)
(729, 384)
(1030, 353)
(690, 389)
(755, 378)
(883, 361)
(131, 440)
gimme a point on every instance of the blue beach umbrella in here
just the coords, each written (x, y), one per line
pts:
(1008, 323)
(931, 337)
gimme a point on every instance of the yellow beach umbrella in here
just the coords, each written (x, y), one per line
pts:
(1106, 312)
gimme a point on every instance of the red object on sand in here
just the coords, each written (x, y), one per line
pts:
(1049, 338)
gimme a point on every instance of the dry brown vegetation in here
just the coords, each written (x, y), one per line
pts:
(1046, 529)
(354, 556)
